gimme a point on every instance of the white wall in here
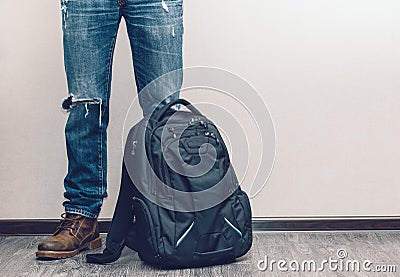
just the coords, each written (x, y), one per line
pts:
(328, 71)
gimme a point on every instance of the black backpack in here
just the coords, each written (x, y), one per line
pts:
(172, 214)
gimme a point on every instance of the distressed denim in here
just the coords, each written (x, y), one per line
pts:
(155, 30)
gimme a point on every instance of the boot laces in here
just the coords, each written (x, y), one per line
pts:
(67, 223)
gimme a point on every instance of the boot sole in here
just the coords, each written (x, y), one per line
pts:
(96, 243)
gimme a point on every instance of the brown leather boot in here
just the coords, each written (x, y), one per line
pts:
(75, 233)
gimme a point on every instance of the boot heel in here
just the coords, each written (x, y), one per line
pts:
(96, 243)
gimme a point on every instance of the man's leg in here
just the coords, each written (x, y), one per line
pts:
(89, 33)
(155, 29)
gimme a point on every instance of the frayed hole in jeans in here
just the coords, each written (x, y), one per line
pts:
(69, 102)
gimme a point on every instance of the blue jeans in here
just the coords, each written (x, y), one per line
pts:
(155, 29)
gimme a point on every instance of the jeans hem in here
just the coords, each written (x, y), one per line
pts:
(81, 212)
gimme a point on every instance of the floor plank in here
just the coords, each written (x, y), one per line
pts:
(17, 256)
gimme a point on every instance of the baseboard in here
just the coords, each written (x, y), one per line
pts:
(327, 224)
(47, 226)
(38, 226)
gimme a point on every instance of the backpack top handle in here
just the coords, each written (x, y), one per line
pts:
(184, 102)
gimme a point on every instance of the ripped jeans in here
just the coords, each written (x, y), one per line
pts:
(155, 30)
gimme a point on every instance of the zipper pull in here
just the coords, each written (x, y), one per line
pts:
(203, 123)
(208, 134)
(214, 137)
(171, 130)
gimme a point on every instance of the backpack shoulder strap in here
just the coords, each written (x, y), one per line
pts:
(121, 225)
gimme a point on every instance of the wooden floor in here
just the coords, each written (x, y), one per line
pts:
(17, 257)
